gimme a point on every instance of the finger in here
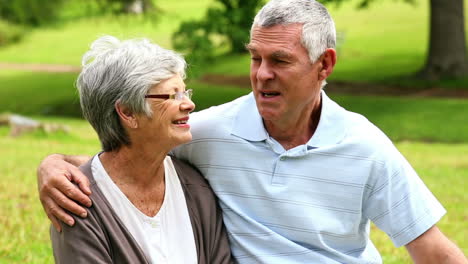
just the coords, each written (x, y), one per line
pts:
(55, 223)
(79, 178)
(67, 204)
(46, 204)
(55, 212)
(71, 191)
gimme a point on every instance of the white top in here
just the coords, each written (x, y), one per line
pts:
(312, 203)
(168, 236)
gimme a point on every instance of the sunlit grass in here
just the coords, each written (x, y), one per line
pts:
(376, 45)
(25, 228)
(401, 118)
(65, 43)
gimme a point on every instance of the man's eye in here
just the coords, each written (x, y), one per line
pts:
(255, 59)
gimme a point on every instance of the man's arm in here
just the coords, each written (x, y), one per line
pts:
(60, 184)
(434, 247)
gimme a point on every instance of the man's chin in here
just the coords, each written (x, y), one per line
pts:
(269, 115)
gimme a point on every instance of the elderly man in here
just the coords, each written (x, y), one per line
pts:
(298, 177)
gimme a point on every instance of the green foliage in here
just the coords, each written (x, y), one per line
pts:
(70, 39)
(125, 6)
(10, 33)
(29, 12)
(360, 3)
(193, 38)
(225, 26)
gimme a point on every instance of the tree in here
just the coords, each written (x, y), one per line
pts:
(225, 24)
(447, 57)
(127, 6)
(447, 48)
(29, 12)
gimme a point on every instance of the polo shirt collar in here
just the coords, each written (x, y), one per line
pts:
(331, 128)
(248, 123)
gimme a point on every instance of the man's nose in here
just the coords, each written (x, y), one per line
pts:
(264, 72)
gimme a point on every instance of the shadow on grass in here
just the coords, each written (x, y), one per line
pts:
(54, 94)
(32, 93)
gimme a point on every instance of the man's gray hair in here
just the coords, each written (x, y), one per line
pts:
(318, 31)
(121, 72)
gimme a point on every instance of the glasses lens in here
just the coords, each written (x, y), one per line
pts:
(181, 95)
(189, 93)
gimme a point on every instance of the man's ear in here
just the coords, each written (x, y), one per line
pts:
(328, 60)
(127, 117)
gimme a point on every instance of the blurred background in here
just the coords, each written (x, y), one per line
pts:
(401, 63)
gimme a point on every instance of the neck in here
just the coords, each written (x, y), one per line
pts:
(132, 166)
(293, 132)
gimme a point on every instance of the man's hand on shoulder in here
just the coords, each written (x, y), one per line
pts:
(60, 184)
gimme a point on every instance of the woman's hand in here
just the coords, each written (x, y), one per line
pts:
(61, 185)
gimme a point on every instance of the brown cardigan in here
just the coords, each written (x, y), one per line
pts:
(103, 238)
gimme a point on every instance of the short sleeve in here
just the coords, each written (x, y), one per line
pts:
(398, 202)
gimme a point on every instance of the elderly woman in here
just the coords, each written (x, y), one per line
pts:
(148, 207)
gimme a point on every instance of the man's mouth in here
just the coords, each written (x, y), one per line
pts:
(271, 94)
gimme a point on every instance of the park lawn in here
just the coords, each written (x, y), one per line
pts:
(402, 118)
(413, 118)
(33, 93)
(379, 44)
(66, 42)
(385, 44)
(375, 45)
(24, 227)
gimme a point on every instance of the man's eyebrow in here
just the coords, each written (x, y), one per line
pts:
(249, 47)
(280, 54)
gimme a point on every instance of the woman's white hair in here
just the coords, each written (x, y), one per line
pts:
(116, 71)
(318, 31)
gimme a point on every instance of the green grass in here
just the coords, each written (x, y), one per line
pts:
(402, 118)
(24, 227)
(65, 43)
(380, 44)
(384, 43)
(410, 118)
(205, 95)
(33, 93)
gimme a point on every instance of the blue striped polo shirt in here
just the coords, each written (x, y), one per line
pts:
(312, 203)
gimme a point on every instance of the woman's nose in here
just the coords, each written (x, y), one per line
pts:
(187, 105)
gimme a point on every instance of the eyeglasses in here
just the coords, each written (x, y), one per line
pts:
(179, 96)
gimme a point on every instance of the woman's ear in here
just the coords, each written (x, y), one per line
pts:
(328, 60)
(126, 115)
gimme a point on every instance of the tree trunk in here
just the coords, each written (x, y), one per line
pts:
(138, 6)
(447, 56)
